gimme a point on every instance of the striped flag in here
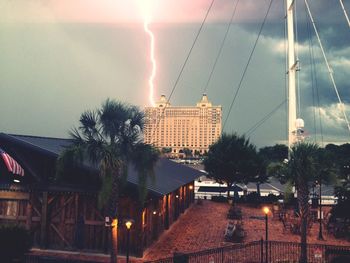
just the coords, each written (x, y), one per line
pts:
(11, 164)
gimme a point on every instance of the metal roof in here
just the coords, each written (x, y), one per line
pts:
(169, 175)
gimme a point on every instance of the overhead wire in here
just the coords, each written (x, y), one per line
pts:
(345, 13)
(264, 119)
(190, 51)
(247, 65)
(311, 61)
(330, 71)
(183, 66)
(222, 45)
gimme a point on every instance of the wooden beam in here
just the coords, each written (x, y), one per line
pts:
(20, 218)
(60, 235)
(29, 212)
(14, 195)
(44, 217)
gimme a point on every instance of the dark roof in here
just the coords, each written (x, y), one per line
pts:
(52, 145)
(169, 175)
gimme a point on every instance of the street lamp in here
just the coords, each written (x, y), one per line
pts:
(128, 225)
(266, 210)
(320, 236)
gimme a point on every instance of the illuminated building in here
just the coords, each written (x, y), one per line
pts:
(180, 127)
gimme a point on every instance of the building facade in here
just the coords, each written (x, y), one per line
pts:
(180, 127)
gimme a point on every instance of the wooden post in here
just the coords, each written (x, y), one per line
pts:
(43, 236)
(167, 212)
(29, 213)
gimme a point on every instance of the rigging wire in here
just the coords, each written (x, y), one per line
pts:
(297, 57)
(314, 84)
(330, 71)
(311, 61)
(264, 119)
(248, 63)
(286, 64)
(221, 46)
(190, 51)
(345, 13)
(183, 66)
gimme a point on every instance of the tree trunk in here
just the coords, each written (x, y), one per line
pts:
(258, 189)
(303, 200)
(112, 211)
(228, 191)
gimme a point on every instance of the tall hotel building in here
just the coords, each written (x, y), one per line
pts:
(179, 127)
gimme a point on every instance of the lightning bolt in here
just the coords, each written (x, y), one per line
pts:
(153, 61)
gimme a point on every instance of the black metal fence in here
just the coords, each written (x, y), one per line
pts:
(46, 259)
(255, 252)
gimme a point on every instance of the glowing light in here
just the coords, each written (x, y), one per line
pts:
(266, 210)
(153, 60)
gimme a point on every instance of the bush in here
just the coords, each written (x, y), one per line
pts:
(271, 198)
(253, 198)
(15, 241)
(219, 199)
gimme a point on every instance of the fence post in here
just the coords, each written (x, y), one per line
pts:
(222, 255)
(261, 250)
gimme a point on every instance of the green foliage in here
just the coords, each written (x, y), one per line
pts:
(232, 159)
(166, 150)
(108, 140)
(276, 153)
(15, 241)
(187, 152)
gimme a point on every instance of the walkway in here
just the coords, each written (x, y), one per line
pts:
(203, 226)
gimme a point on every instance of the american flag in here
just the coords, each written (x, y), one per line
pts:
(11, 164)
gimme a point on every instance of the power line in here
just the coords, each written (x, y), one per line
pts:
(221, 46)
(248, 62)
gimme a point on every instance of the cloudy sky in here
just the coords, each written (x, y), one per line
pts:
(61, 57)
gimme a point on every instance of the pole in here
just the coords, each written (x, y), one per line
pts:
(127, 245)
(292, 67)
(266, 238)
(320, 236)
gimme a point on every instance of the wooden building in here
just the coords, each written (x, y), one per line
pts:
(66, 216)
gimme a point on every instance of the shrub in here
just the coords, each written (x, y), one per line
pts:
(253, 198)
(14, 242)
(219, 199)
(271, 198)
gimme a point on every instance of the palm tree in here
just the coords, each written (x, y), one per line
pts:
(111, 138)
(301, 170)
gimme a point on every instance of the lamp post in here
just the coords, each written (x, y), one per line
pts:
(266, 211)
(320, 236)
(128, 225)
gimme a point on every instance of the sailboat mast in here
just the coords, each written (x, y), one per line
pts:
(292, 67)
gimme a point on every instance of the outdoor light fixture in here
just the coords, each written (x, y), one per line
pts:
(128, 223)
(16, 180)
(190, 187)
(154, 212)
(114, 222)
(177, 196)
(266, 212)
